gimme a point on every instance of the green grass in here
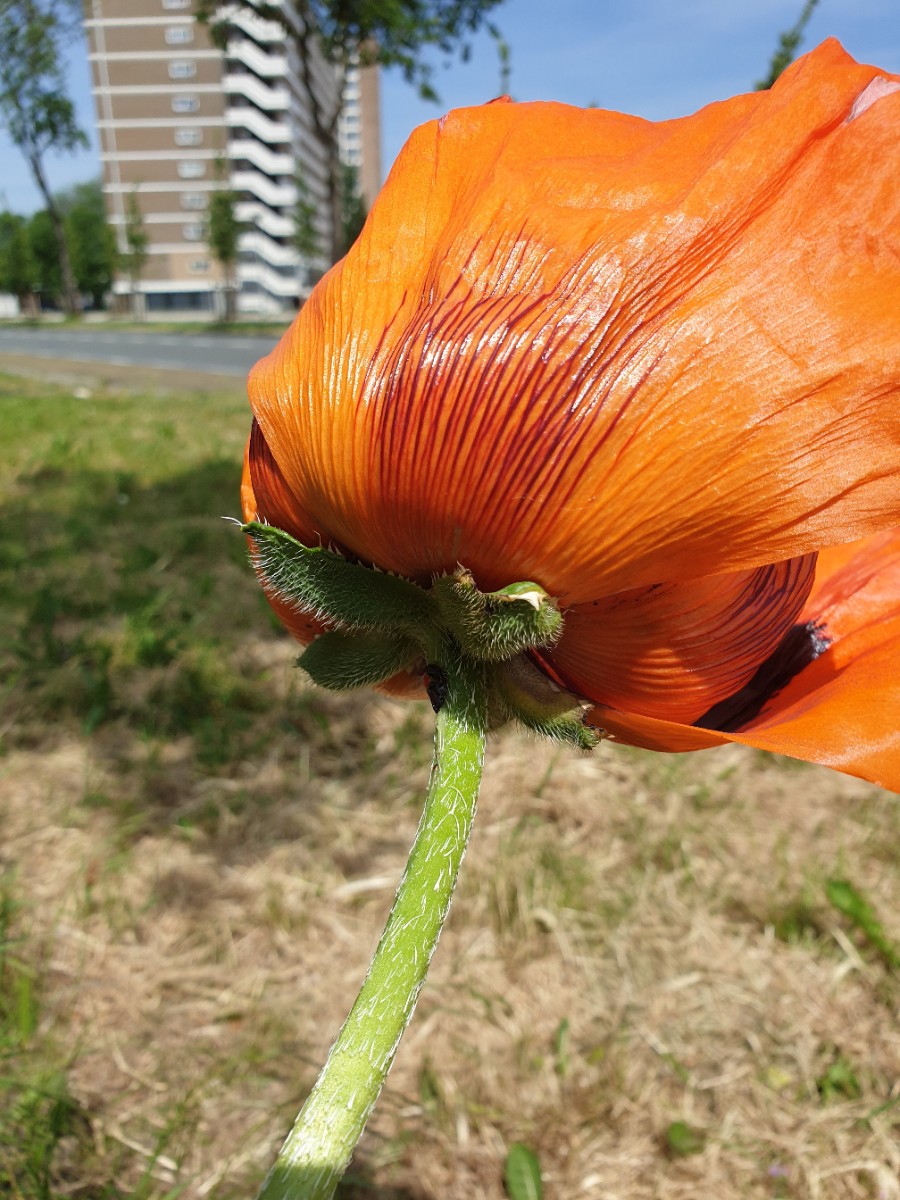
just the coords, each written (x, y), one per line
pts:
(128, 616)
(37, 1110)
(843, 896)
(124, 595)
(246, 328)
(125, 601)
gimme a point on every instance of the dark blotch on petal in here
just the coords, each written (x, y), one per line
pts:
(801, 645)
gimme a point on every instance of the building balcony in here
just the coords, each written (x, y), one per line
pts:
(268, 251)
(257, 154)
(264, 97)
(268, 131)
(251, 212)
(269, 66)
(276, 195)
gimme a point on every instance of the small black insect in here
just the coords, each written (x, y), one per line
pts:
(436, 685)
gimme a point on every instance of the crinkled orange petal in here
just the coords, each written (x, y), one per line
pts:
(856, 585)
(841, 709)
(596, 352)
(674, 650)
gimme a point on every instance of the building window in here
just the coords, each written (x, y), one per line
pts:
(188, 137)
(193, 200)
(199, 266)
(194, 233)
(185, 104)
(178, 35)
(191, 168)
(172, 4)
(183, 68)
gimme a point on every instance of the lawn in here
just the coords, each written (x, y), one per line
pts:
(154, 323)
(671, 977)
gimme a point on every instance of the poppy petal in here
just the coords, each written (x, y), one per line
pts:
(841, 709)
(674, 650)
(651, 733)
(595, 352)
(266, 497)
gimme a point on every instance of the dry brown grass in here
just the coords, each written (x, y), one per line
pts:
(611, 965)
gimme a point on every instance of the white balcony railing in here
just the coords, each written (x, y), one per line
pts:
(269, 131)
(269, 66)
(251, 212)
(261, 156)
(284, 286)
(267, 98)
(276, 195)
(270, 252)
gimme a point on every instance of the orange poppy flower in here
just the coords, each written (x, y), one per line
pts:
(652, 367)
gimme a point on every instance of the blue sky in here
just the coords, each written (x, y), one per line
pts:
(656, 58)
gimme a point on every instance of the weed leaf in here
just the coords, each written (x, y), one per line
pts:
(522, 1174)
(843, 896)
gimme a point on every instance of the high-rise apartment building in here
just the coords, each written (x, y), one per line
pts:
(178, 119)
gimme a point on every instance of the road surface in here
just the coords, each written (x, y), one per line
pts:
(218, 354)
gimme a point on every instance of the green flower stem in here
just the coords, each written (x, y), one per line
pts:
(318, 1148)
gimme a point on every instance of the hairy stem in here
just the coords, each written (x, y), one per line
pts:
(318, 1148)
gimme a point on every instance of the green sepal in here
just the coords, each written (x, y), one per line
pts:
(344, 661)
(324, 584)
(494, 626)
(524, 693)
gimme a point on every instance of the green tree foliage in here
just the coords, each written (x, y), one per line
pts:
(92, 243)
(306, 234)
(392, 33)
(16, 266)
(134, 258)
(353, 207)
(223, 234)
(44, 251)
(788, 44)
(34, 108)
(29, 250)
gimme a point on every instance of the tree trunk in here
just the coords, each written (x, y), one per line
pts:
(337, 248)
(325, 128)
(28, 304)
(138, 308)
(230, 297)
(71, 298)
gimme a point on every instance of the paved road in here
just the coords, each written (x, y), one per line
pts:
(220, 354)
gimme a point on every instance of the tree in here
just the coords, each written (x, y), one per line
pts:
(90, 237)
(43, 249)
(306, 234)
(34, 107)
(353, 207)
(347, 33)
(788, 42)
(134, 259)
(16, 265)
(29, 249)
(223, 234)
